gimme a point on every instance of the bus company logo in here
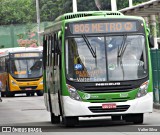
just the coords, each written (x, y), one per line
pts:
(86, 96)
(107, 84)
(122, 95)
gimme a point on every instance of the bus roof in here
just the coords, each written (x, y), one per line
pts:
(88, 15)
(5, 51)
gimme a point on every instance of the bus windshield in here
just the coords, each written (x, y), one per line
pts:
(26, 68)
(106, 58)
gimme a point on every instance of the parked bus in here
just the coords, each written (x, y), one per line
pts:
(97, 63)
(24, 71)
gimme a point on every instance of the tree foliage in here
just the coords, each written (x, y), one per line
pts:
(24, 11)
(17, 11)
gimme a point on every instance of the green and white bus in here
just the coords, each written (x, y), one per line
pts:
(97, 63)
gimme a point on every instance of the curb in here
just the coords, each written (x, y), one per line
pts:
(156, 106)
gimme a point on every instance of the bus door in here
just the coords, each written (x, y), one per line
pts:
(55, 74)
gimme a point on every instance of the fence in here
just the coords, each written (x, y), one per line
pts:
(10, 34)
(155, 59)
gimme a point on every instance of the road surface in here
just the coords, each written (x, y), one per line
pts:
(30, 112)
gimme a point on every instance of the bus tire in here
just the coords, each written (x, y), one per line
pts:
(2, 94)
(9, 94)
(40, 93)
(32, 93)
(135, 118)
(70, 121)
(55, 119)
(138, 118)
(27, 94)
(116, 118)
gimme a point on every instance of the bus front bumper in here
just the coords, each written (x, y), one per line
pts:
(78, 108)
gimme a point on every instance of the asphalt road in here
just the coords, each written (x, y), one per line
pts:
(29, 112)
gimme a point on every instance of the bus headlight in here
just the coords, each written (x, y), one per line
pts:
(13, 83)
(143, 89)
(73, 93)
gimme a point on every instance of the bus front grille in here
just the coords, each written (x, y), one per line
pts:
(108, 89)
(28, 87)
(99, 109)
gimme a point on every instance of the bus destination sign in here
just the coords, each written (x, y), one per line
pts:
(102, 27)
(20, 55)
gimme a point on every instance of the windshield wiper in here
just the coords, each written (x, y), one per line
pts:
(122, 49)
(120, 52)
(89, 46)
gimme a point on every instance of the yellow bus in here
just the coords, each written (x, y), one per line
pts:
(24, 71)
(3, 71)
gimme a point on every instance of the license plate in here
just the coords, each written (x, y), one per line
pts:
(28, 88)
(109, 106)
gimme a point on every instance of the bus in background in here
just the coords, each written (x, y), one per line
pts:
(24, 71)
(97, 63)
(3, 71)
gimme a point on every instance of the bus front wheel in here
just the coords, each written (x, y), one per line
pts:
(116, 118)
(9, 94)
(2, 94)
(138, 119)
(70, 121)
(135, 118)
(40, 93)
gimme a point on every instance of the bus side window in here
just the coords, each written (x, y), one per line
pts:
(2, 65)
(56, 50)
(6, 64)
(1, 69)
(49, 50)
(44, 51)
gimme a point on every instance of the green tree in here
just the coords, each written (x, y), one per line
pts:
(17, 11)
(24, 11)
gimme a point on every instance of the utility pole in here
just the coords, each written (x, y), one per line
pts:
(114, 5)
(38, 21)
(74, 4)
(130, 3)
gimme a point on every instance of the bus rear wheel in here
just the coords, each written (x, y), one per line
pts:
(40, 93)
(55, 119)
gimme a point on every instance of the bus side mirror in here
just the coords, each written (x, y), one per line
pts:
(60, 41)
(151, 41)
(6, 64)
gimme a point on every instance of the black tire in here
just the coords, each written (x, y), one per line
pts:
(138, 119)
(32, 93)
(27, 94)
(135, 118)
(2, 94)
(70, 121)
(116, 118)
(40, 93)
(9, 94)
(55, 119)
